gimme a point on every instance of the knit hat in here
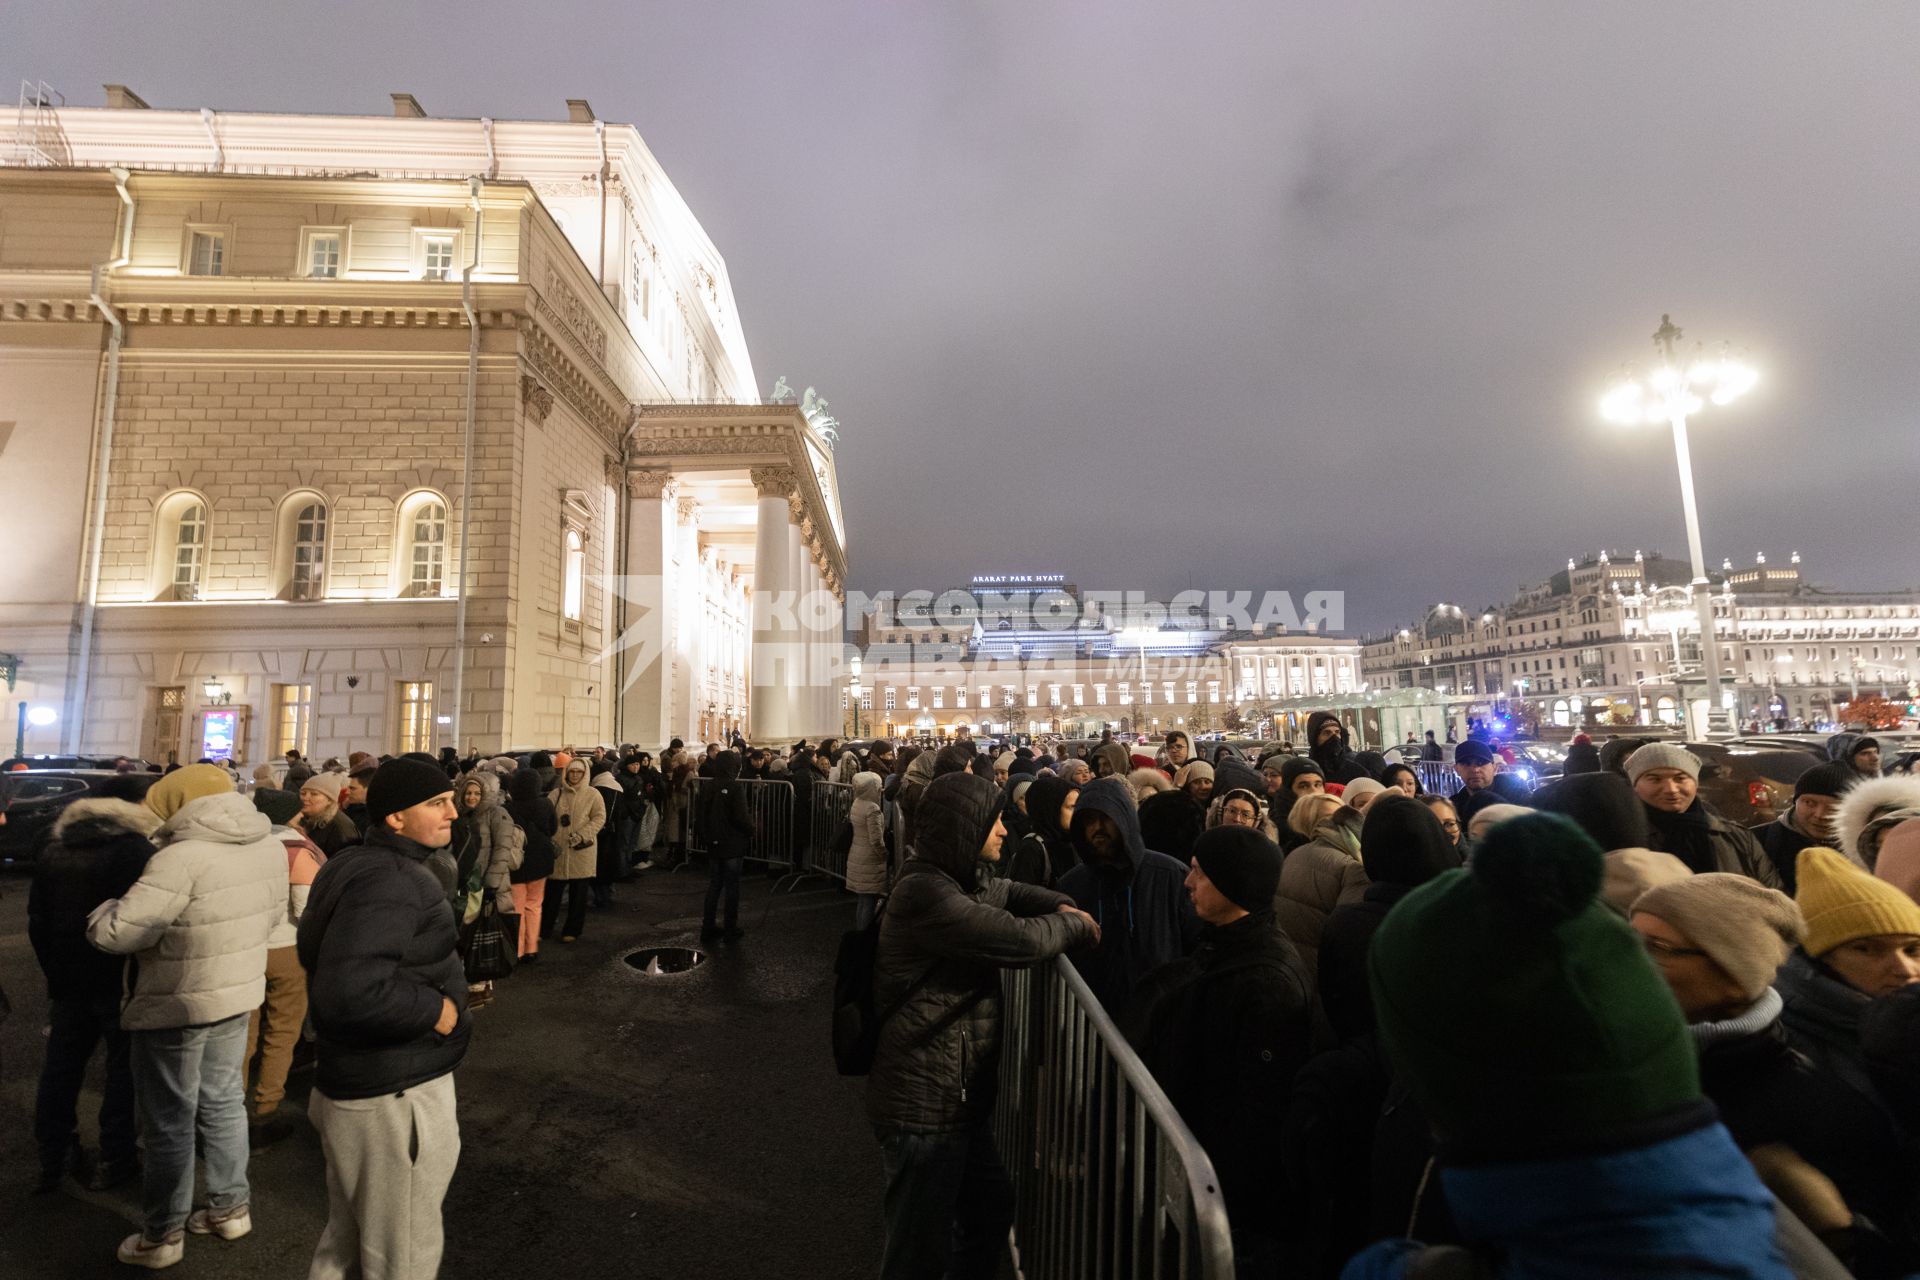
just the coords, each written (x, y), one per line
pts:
(1020, 784)
(1295, 766)
(1192, 770)
(329, 785)
(357, 759)
(364, 770)
(1743, 926)
(263, 777)
(1473, 751)
(279, 806)
(1829, 779)
(1631, 872)
(1842, 902)
(1662, 755)
(1491, 816)
(1527, 1015)
(1602, 805)
(1360, 789)
(402, 783)
(176, 790)
(1243, 865)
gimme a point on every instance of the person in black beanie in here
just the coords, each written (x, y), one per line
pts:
(1808, 821)
(1225, 1029)
(387, 995)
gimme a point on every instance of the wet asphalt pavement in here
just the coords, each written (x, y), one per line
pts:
(612, 1125)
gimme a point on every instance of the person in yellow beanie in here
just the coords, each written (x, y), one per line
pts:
(176, 790)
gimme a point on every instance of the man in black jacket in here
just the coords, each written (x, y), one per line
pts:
(1225, 1029)
(387, 994)
(943, 939)
(100, 846)
(729, 830)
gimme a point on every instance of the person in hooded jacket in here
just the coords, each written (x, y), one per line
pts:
(1558, 1078)
(914, 781)
(1046, 853)
(1136, 895)
(1225, 1029)
(868, 873)
(944, 938)
(1172, 820)
(582, 811)
(1402, 847)
(1327, 747)
(1869, 812)
(1857, 751)
(1718, 940)
(532, 813)
(728, 824)
(197, 922)
(1666, 777)
(1808, 820)
(1582, 756)
(486, 846)
(1321, 874)
(1299, 777)
(607, 864)
(99, 848)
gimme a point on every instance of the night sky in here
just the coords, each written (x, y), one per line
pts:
(1246, 295)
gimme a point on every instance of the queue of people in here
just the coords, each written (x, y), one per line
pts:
(1593, 1028)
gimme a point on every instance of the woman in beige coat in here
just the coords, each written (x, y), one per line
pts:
(582, 813)
(1321, 874)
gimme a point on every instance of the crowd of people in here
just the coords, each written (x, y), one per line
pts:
(1592, 1028)
(194, 934)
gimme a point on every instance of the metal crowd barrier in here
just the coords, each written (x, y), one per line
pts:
(769, 803)
(828, 804)
(1436, 777)
(1108, 1180)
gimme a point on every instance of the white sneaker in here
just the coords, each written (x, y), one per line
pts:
(138, 1251)
(228, 1224)
(643, 865)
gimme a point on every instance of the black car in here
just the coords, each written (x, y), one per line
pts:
(34, 799)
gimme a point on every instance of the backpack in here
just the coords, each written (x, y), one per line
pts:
(841, 844)
(856, 1024)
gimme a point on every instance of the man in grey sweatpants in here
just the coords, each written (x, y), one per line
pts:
(387, 994)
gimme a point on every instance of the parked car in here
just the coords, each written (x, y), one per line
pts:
(36, 797)
(1748, 785)
(71, 762)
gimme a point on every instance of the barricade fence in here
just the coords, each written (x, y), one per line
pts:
(829, 804)
(1436, 777)
(769, 804)
(1108, 1180)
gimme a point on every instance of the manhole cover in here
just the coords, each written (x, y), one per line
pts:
(657, 961)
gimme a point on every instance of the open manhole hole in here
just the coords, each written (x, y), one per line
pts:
(659, 961)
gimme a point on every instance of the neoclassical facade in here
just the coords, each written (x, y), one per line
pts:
(350, 433)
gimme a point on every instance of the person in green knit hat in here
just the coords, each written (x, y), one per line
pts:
(1558, 1079)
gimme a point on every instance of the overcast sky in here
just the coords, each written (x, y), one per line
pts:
(1255, 295)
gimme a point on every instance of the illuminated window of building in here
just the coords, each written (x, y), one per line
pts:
(322, 259)
(1033, 695)
(1193, 691)
(416, 715)
(207, 253)
(889, 697)
(1079, 695)
(1126, 693)
(573, 575)
(913, 699)
(426, 549)
(189, 552)
(436, 257)
(309, 576)
(292, 717)
(1100, 695)
(939, 697)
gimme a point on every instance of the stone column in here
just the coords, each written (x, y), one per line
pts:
(647, 603)
(689, 600)
(800, 713)
(816, 653)
(771, 706)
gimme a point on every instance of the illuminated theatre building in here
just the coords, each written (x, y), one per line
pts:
(1031, 654)
(386, 433)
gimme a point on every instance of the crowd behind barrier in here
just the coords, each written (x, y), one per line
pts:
(1108, 1180)
(769, 801)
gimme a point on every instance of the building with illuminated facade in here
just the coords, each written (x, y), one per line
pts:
(1599, 643)
(386, 433)
(1031, 654)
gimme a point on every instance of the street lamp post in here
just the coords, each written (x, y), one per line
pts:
(854, 692)
(1671, 395)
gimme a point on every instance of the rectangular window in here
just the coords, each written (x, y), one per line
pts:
(1100, 695)
(1079, 695)
(1213, 691)
(1193, 691)
(573, 576)
(323, 256)
(913, 699)
(889, 697)
(416, 715)
(1126, 693)
(292, 717)
(1033, 695)
(939, 697)
(207, 253)
(960, 695)
(436, 257)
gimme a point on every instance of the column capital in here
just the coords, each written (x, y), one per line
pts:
(775, 482)
(650, 484)
(688, 510)
(796, 509)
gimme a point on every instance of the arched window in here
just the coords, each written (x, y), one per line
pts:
(300, 547)
(190, 552)
(573, 571)
(181, 543)
(426, 549)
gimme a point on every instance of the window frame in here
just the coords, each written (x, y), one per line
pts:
(295, 698)
(308, 235)
(413, 717)
(222, 233)
(455, 237)
(573, 576)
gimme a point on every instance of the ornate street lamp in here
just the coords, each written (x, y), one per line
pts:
(1671, 394)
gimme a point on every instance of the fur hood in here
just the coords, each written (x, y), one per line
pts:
(98, 819)
(227, 818)
(1147, 782)
(1868, 809)
(489, 783)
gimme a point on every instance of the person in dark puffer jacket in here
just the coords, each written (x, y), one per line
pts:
(387, 994)
(1137, 896)
(99, 848)
(944, 937)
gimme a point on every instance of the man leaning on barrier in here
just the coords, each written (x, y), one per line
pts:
(944, 937)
